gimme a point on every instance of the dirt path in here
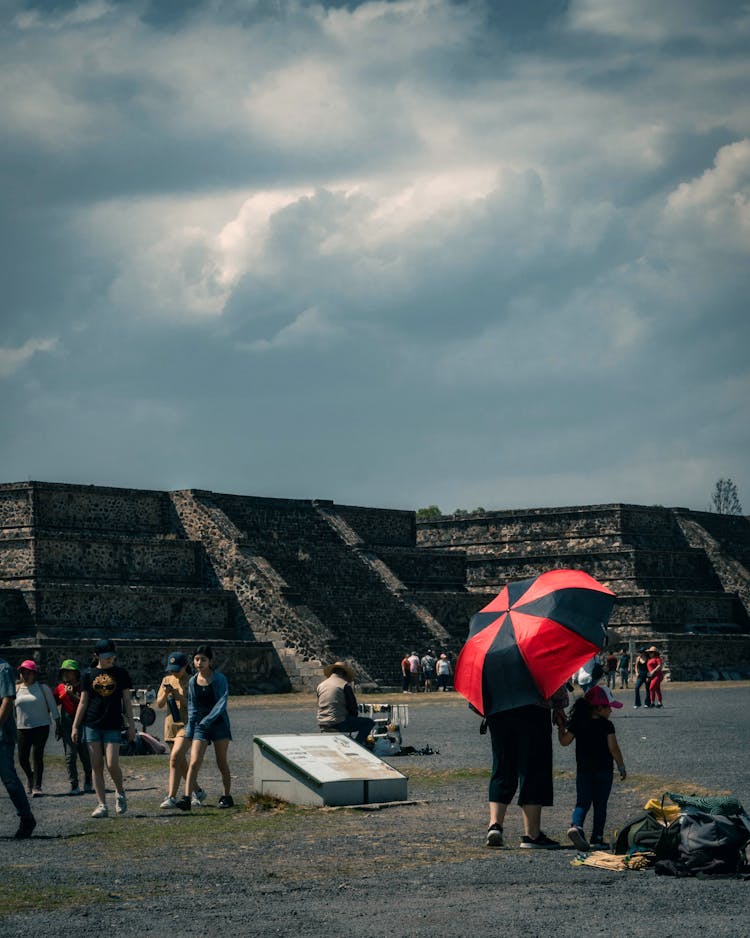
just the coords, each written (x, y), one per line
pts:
(418, 870)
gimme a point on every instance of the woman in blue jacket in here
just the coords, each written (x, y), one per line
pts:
(207, 722)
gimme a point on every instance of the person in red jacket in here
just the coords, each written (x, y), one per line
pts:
(67, 695)
(655, 667)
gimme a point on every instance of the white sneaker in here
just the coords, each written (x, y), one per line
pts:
(200, 794)
(169, 802)
(195, 800)
(101, 810)
(121, 803)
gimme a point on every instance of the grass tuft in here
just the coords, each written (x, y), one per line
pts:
(258, 803)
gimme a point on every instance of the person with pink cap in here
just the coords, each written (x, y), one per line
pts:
(36, 711)
(596, 751)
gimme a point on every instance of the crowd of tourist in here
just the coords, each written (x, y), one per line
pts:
(91, 711)
(429, 672)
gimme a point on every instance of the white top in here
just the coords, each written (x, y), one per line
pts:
(35, 706)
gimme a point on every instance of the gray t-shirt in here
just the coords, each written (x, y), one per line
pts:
(8, 689)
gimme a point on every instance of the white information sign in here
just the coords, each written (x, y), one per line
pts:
(324, 769)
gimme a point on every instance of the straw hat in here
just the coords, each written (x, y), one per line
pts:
(652, 648)
(340, 665)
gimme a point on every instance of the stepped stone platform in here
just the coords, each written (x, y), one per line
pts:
(677, 574)
(281, 586)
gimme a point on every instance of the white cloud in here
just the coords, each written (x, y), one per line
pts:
(13, 359)
(642, 20)
(716, 205)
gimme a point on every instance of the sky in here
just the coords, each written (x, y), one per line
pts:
(393, 254)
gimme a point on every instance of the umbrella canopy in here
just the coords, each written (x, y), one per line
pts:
(527, 642)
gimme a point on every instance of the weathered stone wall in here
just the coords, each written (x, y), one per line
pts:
(618, 569)
(381, 526)
(663, 574)
(15, 615)
(706, 658)
(251, 668)
(122, 560)
(129, 611)
(15, 506)
(421, 569)
(97, 508)
(454, 610)
(16, 560)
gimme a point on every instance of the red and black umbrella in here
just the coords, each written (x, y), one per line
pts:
(527, 642)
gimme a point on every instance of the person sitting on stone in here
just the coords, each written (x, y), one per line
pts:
(337, 705)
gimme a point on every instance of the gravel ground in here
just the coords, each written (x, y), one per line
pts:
(416, 869)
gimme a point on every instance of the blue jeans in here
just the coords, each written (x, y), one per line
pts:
(641, 680)
(592, 788)
(9, 778)
(359, 725)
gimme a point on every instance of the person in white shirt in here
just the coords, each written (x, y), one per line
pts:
(35, 712)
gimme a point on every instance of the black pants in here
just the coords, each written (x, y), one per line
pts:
(74, 751)
(31, 744)
(521, 755)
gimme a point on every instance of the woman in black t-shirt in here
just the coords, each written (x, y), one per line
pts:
(105, 695)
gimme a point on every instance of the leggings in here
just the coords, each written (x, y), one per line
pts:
(31, 743)
(654, 688)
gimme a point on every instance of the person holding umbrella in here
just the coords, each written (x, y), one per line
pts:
(522, 648)
(522, 753)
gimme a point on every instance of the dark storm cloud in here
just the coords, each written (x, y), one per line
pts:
(337, 250)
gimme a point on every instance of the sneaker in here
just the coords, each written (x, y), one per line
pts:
(88, 789)
(36, 792)
(184, 803)
(542, 842)
(494, 836)
(101, 810)
(578, 838)
(195, 801)
(121, 803)
(200, 794)
(169, 802)
(26, 827)
(599, 844)
(75, 791)
(226, 801)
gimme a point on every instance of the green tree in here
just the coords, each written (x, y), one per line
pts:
(430, 513)
(725, 499)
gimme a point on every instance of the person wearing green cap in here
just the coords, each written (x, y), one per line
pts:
(68, 695)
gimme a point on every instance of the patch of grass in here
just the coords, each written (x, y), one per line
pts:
(258, 803)
(654, 786)
(22, 894)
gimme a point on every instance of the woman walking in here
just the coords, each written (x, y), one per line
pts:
(105, 694)
(173, 694)
(641, 679)
(35, 712)
(208, 722)
(655, 667)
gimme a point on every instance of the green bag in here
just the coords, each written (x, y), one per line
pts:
(645, 832)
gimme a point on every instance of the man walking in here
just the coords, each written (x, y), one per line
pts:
(8, 736)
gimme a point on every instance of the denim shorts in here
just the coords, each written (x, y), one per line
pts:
(213, 734)
(93, 735)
